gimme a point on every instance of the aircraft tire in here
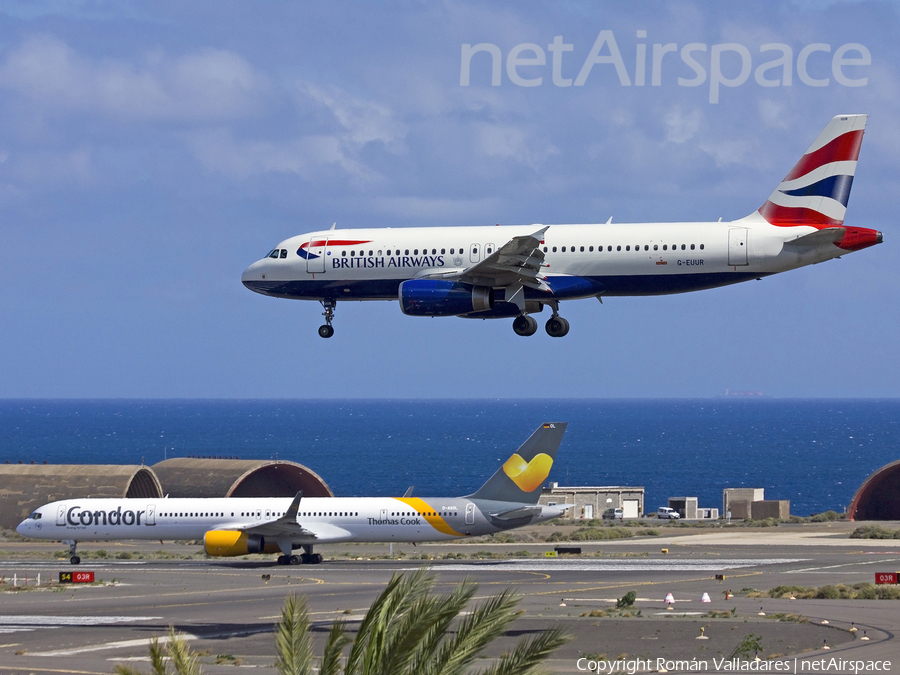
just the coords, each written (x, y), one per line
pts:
(524, 325)
(556, 326)
(305, 559)
(75, 560)
(294, 560)
(315, 558)
(326, 331)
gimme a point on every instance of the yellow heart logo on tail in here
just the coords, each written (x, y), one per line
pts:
(528, 476)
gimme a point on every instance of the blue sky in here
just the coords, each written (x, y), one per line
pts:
(150, 152)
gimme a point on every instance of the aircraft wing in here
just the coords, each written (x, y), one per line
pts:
(287, 526)
(515, 265)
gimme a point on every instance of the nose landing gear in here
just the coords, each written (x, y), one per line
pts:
(74, 558)
(327, 330)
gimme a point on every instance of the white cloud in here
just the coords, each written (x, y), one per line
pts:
(507, 141)
(362, 121)
(218, 151)
(207, 84)
(681, 126)
(470, 210)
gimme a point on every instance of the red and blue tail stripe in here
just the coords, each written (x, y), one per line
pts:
(817, 189)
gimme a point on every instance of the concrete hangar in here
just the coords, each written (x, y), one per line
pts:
(24, 487)
(591, 502)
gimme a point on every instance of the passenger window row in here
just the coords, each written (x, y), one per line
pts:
(392, 251)
(656, 247)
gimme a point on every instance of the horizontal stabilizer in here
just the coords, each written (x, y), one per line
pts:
(828, 235)
(521, 512)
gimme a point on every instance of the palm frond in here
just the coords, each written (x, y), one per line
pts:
(157, 657)
(334, 645)
(183, 659)
(425, 652)
(368, 650)
(529, 655)
(486, 623)
(292, 642)
(122, 669)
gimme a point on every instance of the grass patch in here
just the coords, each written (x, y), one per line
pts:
(874, 532)
(860, 591)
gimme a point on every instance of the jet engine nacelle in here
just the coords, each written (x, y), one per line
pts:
(234, 542)
(435, 297)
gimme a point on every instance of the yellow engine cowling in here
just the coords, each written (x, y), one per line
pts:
(234, 542)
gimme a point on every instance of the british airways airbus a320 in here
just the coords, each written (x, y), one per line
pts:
(514, 271)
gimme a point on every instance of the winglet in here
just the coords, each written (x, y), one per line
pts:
(408, 492)
(291, 513)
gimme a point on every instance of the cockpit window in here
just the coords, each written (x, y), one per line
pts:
(273, 253)
(36, 515)
(283, 253)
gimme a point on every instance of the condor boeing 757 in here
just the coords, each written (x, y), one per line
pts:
(238, 526)
(514, 271)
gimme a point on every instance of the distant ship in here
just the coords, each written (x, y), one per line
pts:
(744, 394)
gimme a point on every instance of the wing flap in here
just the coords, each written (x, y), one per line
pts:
(518, 261)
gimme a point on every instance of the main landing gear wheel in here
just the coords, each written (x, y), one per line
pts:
(557, 326)
(525, 325)
(311, 558)
(326, 330)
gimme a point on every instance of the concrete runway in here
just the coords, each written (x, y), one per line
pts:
(228, 610)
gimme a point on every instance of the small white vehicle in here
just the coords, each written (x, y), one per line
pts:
(666, 512)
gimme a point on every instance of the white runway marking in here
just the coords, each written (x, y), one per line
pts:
(143, 642)
(551, 565)
(52, 621)
(853, 564)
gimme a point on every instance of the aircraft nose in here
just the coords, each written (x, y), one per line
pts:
(253, 275)
(23, 528)
(879, 238)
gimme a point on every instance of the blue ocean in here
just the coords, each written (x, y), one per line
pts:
(815, 453)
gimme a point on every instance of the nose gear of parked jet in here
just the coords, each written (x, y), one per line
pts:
(326, 330)
(74, 558)
(525, 325)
